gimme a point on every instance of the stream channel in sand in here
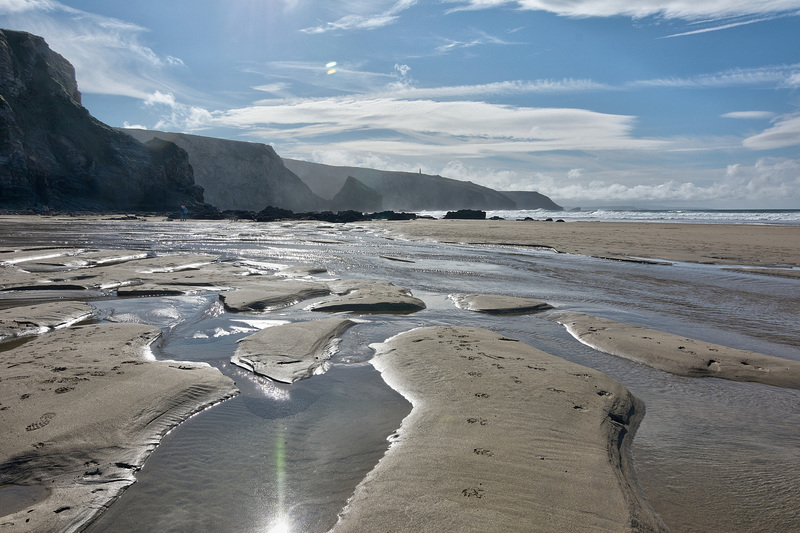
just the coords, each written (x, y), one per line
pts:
(711, 455)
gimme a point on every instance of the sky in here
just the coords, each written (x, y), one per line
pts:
(646, 103)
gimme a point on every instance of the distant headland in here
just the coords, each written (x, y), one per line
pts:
(54, 155)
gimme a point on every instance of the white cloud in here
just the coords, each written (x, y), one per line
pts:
(768, 182)
(671, 9)
(158, 97)
(462, 128)
(749, 115)
(785, 132)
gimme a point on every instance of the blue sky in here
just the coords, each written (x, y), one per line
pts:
(671, 102)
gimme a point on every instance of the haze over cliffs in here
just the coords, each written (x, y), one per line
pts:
(240, 175)
(54, 153)
(402, 191)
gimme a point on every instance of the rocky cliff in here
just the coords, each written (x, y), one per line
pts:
(532, 200)
(240, 175)
(356, 196)
(402, 191)
(53, 152)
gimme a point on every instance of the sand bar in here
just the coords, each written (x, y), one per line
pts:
(81, 408)
(271, 293)
(36, 319)
(680, 355)
(501, 437)
(290, 352)
(722, 244)
(369, 297)
(494, 304)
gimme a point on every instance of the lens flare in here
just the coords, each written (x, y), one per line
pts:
(281, 524)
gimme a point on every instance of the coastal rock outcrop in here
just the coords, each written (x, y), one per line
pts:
(354, 195)
(532, 200)
(54, 153)
(237, 175)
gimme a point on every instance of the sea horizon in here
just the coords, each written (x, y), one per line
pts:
(687, 216)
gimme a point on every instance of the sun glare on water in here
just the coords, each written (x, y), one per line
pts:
(282, 526)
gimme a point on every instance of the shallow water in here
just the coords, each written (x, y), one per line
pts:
(711, 455)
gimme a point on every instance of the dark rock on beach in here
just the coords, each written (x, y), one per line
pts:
(466, 214)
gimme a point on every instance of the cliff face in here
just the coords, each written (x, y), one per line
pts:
(53, 152)
(532, 200)
(356, 196)
(402, 191)
(240, 175)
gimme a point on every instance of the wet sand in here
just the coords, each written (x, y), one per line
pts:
(680, 355)
(485, 407)
(81, 408)
(719, 244)
(501, 437)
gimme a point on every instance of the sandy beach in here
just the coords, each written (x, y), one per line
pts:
(719, 244)
(501, 436)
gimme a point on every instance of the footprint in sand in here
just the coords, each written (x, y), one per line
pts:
(42, 422)
(473, 492)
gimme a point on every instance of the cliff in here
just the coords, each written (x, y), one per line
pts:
(356, 196)
(54, 153)
(240, 175)
(532, 200)
(402, 191)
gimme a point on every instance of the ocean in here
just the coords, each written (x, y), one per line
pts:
(686, 216)
(711, 455)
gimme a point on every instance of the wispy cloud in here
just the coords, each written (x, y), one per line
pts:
(784, 132)
(482, 38)
(107, 53)
(726, 26)
(377, 16)
(750, 115)
(777, 75)
(400, 85)
(503, 88)
(670, 9)
(428, 127)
